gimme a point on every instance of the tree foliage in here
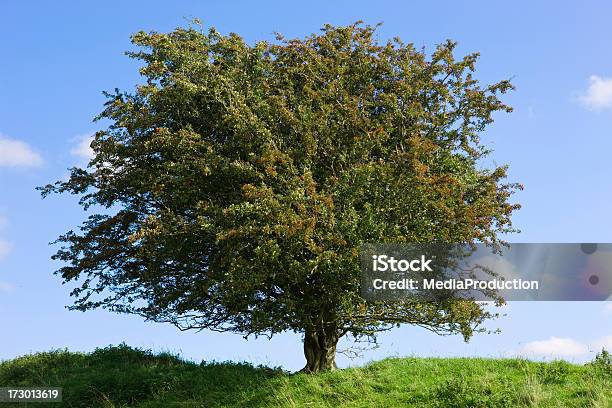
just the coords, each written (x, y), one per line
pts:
(234, 187)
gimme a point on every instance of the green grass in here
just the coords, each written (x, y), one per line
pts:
(121, 376)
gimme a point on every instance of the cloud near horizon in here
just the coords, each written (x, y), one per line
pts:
(554, 347)
(599, 93)
(603, 343)
(563, 347)
(16, 153)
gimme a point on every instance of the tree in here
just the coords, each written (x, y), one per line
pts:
(234, 187)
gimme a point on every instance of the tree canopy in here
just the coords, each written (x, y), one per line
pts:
(234, 187)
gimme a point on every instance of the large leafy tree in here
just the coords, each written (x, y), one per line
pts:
(234, 187)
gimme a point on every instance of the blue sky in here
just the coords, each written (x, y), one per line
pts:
(57, 57)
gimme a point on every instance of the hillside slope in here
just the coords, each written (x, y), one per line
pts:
(121, 376)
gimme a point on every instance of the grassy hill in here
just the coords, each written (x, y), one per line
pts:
(121, 376)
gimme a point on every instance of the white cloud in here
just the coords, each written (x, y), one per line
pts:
(604, 342)
(557, 347)
(608, 307)
(5, 248)
(82, 148)
(6, 287)
(15, 153)
(599, 93)
(554, 347)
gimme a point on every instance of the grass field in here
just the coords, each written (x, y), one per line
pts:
(120, 376)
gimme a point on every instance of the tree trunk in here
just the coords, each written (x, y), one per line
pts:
(320, 350)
